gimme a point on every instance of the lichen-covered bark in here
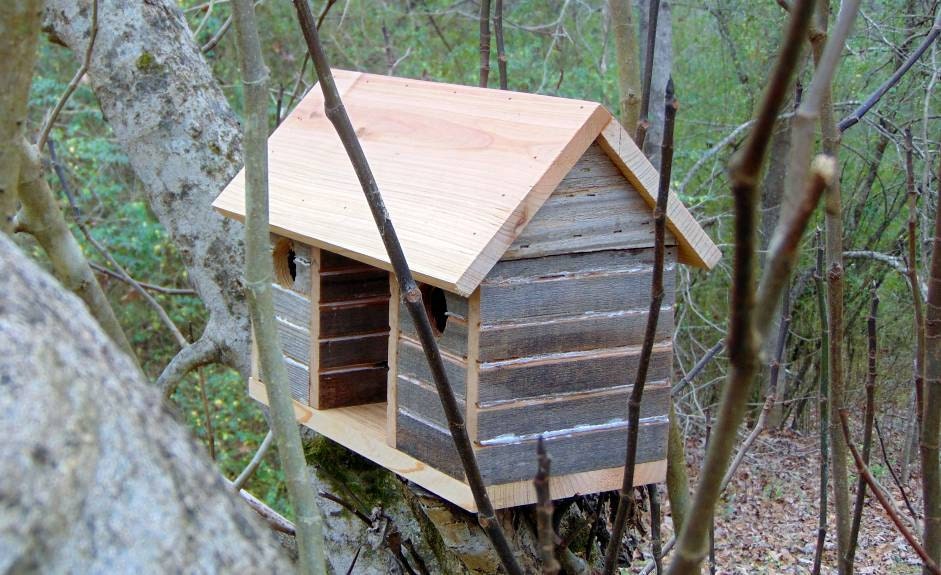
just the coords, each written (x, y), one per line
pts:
(97, 475)
(169, 116)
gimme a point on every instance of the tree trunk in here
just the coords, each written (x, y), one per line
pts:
(662, 67)
(182, 139)
(96, 474)
(624, 28)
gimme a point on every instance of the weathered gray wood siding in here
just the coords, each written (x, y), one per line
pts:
(555, 341)
(593, 208)
(560, 341)
(353, 334)
(421, 428)
(292, 309)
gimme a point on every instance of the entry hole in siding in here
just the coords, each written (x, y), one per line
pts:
(285, 266)
(436, 306)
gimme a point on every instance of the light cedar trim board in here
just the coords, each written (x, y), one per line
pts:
(362, 429)
(462, 170)
(392, 397)
(695, 246)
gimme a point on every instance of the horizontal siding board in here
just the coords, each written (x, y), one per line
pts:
(593, 164)
(586, 219)
(568, 413)
(457, 305)
(552, 377)
(572, 453)
(353, 386)
(298, 380)
(421, 399)
(453, 339)
(354, 319)
(518, 271)
(572, 333)
(290, 306)
(427, 444)
(361, 284)
(364, 350)
(602, 292)
(412, 363)
(295, 341)
(330, 261)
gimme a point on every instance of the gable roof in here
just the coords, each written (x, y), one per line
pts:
(462, 171)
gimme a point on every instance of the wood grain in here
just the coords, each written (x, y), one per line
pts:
(298, 380)
(598, 292)
(453, 340)
(530, 418)
(353, 285)
(354, 318)
(569, 373)
(430, 444)
(295, 341)
(573, 453)
(393, 351)
(421, 398)
(352, 386)
(290, 306)
(572, 333)
(588, 212)
(695, 246)
(412, 363)
(354, 351)
(497, 154)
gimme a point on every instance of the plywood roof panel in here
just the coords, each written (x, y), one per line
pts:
(462, 170)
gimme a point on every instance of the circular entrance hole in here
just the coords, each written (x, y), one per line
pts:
(436, 306)
(285, 268)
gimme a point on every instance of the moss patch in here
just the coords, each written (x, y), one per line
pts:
(148, 64)
(352, 476)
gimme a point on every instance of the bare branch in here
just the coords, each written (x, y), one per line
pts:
(73, 83)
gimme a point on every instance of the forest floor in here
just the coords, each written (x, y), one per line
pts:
(767, 521)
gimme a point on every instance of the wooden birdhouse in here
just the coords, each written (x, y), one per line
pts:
(529, 221)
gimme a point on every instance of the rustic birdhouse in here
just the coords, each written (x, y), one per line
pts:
(529, 221)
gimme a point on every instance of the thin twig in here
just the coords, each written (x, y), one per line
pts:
(653, 17)
(544, 531)
(823, 401)
(207, 413)
(411, 295)
(870, 418)
(498, 33)
(249, 470)
(126, 277)
(653, 494)
(484, 43)
(73, 83)
(895, 476)
(650, 335)
(259, 273)
(877, 490)
(856, 115)
(700, 365)
(147, 286)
